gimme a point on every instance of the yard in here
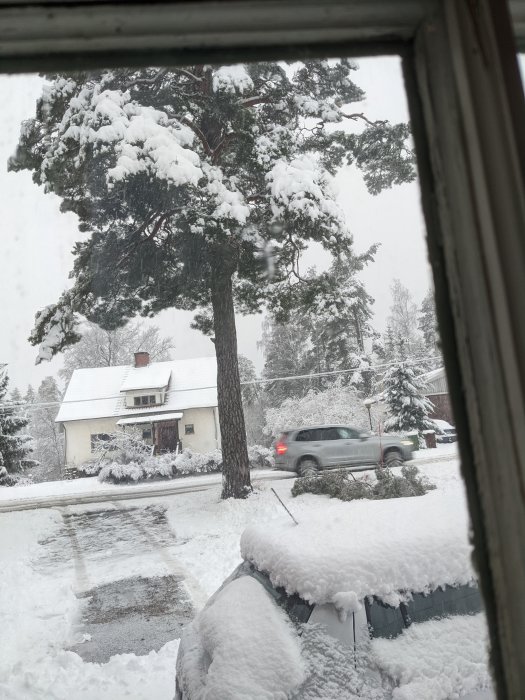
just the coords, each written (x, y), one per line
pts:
(94, 596)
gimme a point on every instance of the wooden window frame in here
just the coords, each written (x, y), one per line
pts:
(468, 115)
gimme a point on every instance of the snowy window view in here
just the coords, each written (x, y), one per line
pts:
(228, 459)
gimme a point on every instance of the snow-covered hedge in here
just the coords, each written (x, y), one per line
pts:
(130, 462)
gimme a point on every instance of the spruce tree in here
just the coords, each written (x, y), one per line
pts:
(408, 407)
(47, 438)
(30, 396)
(199, 188)
(14, 445)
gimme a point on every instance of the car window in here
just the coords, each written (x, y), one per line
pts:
(389, 621)
(329, 434)
(304, 436)
(347, 434)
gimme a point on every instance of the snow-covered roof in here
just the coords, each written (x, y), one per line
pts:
(96, 393)
(343, 552)
(153, 376)
(151, 417)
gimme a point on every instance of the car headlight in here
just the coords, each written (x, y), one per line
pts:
(407, 442)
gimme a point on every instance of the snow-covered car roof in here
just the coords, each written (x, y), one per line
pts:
(341, 552)
(443, 424)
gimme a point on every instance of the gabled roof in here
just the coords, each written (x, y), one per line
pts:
(97, 392)
(153, 376)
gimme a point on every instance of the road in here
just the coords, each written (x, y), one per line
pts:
(180, 486)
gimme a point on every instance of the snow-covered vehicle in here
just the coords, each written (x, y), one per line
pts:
(306, 450)
(374, 600)
(445, 432)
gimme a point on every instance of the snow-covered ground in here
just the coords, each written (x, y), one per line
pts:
(40, 590)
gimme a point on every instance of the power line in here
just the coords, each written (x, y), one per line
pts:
(9, 407)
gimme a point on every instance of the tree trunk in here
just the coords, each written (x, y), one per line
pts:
(235, 465)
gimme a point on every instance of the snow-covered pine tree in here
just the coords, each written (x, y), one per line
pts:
(186, 179)
(14, 445)
(30, 396)
(16, 396)
(47, 439)
(408, 407)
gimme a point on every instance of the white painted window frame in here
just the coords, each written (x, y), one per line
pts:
(468, 115)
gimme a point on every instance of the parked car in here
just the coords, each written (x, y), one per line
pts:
(345, 606)
(445, 432)
(306, 450)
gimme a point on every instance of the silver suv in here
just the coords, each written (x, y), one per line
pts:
(306, 450)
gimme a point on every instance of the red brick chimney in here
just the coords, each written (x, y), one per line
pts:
(141, 359)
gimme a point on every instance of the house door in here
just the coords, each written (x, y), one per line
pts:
(166, 436)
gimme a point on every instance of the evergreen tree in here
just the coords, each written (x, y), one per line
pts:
(429, 328)
(14, 446)
(16, 396)
(186, 179)
(408, 407)
(106, 348)
(47, 438)
(30, 396)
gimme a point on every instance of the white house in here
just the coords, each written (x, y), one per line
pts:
(172, 403)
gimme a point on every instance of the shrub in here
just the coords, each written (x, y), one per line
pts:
(260, 457)
(119, 453)
(345, 486)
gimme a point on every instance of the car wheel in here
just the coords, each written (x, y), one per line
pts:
(308, 467)
(394, 459)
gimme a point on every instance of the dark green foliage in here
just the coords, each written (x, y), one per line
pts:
(14, 445)
(345, 486)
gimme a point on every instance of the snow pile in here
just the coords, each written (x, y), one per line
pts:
(365, 547)
(123, 677)
(437, 659)
(232, 79)
(259, 662)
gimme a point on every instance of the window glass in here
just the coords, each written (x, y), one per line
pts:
(189, 429)
(329, 434)
(347, 434)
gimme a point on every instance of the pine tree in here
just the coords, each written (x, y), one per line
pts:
(429, 329)
(47, 438)
(30, 396)
(14, 446)
(186, 181)
(408, 407)
(16, 396)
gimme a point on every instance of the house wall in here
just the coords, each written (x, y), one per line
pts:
(205, 438)
(78, 437)
(442, 407)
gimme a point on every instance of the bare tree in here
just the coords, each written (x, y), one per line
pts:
(101, 348)
(403, 321)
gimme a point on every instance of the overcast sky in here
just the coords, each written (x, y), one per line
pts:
(37, 238)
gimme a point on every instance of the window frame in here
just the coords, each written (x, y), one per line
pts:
(468, 116)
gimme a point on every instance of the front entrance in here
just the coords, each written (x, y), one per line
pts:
(166, 436)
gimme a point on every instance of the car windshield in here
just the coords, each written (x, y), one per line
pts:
(389, 621)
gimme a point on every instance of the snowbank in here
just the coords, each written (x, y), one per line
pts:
(261, 663)
(344, 550)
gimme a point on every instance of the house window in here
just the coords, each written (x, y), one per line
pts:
(188, 429)
(98, 440)
(148, 400)
(146, 434)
